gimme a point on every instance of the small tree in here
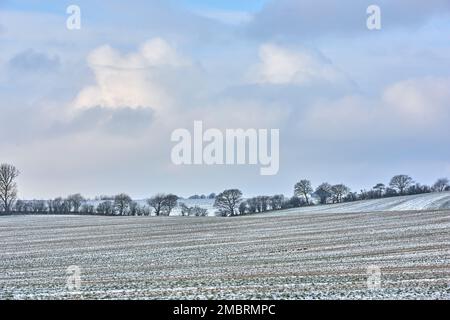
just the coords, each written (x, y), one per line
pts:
(76, 201)
(199, 212)
(185, 210)
(8, 186)
(243, 208)
(87, 208)
(303, 189)
(133, 208)
(323, 192)
(401, 182)
(228, 201)
(122, 203)
(264, 202)
(276, 201)
(106, 208)
(339, 191)
(170, 202)
(252, 205)
(38, 206)
(441, 185)
(163, 204)
(379, 189)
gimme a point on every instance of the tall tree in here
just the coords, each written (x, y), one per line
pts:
(401, 182)
(228, 201)
(8, 186)
(303, 189)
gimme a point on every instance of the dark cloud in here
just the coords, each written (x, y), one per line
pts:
(32, 61)
(281, 18)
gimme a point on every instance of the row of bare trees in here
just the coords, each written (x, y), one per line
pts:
(119, 205)
(231, 203)
(228, 203)
(399, 185)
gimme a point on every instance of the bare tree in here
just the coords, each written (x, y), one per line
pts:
(106, 208)
(20, 206)
(324, 192)
(87, 208)
(170, 202)
(193, 211)
(228, 201)
(401, 182)
(276, 201)
(441, 185)
(252, 205)
(157, 203)
(38, 206)
(303, 189)
(76, 201)
(185, 210)
(8, 186)
(264, 202)
(163, 204)
(339, 191)
(199, 212)
(242, 208)
(379, 189)
(134, 208)
(122, 203)
(59, 206)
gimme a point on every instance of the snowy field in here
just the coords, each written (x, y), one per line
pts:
(427, 201)
(293, 256)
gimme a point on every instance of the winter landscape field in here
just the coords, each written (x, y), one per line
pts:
(298, 254)
(430, 201)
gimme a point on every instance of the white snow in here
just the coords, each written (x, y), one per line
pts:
(311, 255)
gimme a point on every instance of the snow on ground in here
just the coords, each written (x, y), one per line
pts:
(428, 201)
(311, 255)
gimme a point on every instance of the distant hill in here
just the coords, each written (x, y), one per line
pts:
(427, 201)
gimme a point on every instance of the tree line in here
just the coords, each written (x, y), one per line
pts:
(231, 203)
(227, 203)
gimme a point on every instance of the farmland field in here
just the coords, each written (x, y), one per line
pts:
(292, 256)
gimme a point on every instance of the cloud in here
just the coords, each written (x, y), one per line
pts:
(123, 121)
(300, 18)
(233, 18)
(415, 109)
(130, 79)
(423, 102)
(279, 65)
(33, 61)
(100, 120)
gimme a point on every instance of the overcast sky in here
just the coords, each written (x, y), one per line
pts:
(92, 110)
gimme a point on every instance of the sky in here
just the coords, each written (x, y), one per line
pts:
(92, 110)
